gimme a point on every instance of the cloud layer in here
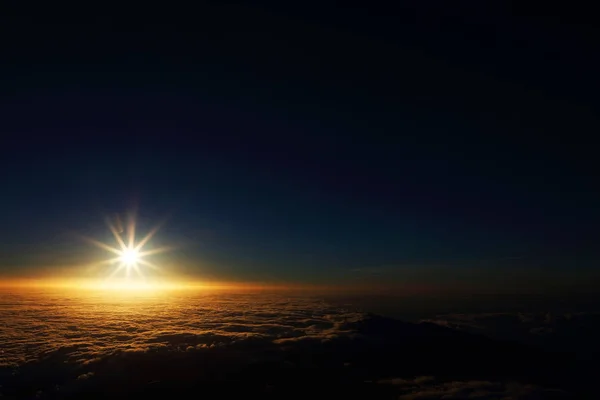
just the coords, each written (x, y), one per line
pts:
(182, 345)
(85, 328)
(428, 388)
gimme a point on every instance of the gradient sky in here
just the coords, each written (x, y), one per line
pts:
(297, 146)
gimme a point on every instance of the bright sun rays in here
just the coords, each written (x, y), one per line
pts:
(129, 254)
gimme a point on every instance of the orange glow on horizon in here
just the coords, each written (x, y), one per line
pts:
(124, 286)
(134, 273)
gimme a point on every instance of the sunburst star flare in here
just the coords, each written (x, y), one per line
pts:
(129, 256)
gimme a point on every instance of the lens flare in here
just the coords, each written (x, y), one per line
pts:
(130, 256)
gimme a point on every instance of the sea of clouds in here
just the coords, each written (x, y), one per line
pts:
(86, 327)
(173, 344)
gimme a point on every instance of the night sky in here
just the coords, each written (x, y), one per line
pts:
(429, 145)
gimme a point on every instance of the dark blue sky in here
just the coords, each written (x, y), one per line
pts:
(301, 146)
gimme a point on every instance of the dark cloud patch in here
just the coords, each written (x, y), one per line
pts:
(567, 332)
(428, 388)
(246, 345)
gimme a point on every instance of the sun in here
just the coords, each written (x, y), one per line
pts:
(130, 257)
